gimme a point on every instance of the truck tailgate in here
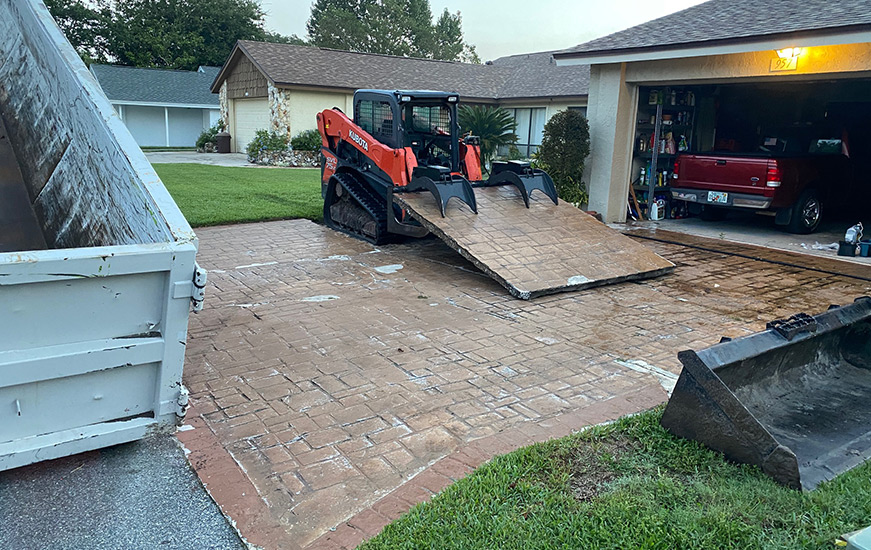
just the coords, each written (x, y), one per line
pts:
(723, 173)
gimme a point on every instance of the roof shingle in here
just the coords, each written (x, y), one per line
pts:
(161, 86)
(535, 76)
(730, 20)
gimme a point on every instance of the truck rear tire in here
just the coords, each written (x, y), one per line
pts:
(806, 213)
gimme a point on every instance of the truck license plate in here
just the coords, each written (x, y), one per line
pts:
(716, 196)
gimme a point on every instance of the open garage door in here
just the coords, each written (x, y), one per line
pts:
(249, 115)
(793, 139)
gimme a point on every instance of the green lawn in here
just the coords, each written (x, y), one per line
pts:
(215, 195)
(629, 485)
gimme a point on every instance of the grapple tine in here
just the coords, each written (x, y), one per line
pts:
(458, 187)
(524, 178)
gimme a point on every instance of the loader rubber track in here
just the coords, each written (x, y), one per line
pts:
(370, 216)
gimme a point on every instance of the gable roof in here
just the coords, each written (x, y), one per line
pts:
(291, 65)
(159, 86)
(730, 21)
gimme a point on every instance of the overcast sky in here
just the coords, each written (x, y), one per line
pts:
(505, 27)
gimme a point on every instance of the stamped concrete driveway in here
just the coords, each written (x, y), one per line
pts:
(335, 384)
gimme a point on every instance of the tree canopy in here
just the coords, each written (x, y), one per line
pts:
(173, 34)
(183, 34)
(393, 27)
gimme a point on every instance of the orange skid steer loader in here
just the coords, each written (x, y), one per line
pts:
(399, 143)
(404, 141)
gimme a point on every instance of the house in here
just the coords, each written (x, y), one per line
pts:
(721, 74)
(282, 87)
(161, 108)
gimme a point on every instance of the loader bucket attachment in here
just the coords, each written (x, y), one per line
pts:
(525, 178)
(444, 189)
(794, 400)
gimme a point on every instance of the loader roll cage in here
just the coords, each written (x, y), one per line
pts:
(425, 121)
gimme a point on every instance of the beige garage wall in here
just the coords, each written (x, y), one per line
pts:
(305, 105)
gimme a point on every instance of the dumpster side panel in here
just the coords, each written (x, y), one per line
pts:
(89, 183)
(92, 348)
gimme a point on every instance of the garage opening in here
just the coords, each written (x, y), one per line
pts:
(764, 154)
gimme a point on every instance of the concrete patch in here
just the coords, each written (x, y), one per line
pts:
(388, 269)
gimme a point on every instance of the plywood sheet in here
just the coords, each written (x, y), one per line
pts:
(539, 250)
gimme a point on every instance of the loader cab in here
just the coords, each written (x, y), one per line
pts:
(424, 121)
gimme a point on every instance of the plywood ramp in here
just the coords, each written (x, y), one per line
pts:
(539, 250)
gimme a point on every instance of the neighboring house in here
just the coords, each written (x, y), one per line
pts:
(282, 87)
(736, 79)
(161, 108)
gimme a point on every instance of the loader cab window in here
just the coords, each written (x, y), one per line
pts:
(376, 117)
(428, 129)
(433, 120)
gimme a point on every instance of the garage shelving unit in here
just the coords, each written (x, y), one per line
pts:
(660, 111)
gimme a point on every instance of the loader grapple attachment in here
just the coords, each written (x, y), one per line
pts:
(794, 400)
(443, 189)
(522, 176)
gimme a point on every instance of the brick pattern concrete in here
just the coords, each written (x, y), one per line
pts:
(539, 250)
(334, 372)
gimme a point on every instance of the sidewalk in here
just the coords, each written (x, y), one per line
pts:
(214, 159)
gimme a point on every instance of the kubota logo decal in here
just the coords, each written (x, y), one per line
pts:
(358, 140)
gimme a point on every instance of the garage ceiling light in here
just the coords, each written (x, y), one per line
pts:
(787, 53)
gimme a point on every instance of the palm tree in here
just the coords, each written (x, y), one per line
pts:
(494, 125)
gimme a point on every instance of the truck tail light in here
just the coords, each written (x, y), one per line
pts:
(774, 176)
(676, 170)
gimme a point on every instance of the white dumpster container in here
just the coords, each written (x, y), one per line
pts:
(93, 326)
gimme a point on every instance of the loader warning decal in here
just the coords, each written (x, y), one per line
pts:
(358, 140)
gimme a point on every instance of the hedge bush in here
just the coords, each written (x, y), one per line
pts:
(266, 141)
(563, 150)
(308, 140)
(210, 136)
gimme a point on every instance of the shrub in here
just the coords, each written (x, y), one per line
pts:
(210, 136)
(514, 153)
(308, 140)
(494, 125)
(266, 141)
(563, 150)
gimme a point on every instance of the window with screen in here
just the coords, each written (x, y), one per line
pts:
(375, 117)
(530, 129)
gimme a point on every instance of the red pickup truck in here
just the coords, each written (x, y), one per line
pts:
(792, 174)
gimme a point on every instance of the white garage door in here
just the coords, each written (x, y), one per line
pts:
(250, 115)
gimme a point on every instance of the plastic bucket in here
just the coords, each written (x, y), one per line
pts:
(865, 248)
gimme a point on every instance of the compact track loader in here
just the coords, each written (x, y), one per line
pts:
(793, 400)
(401, 143)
